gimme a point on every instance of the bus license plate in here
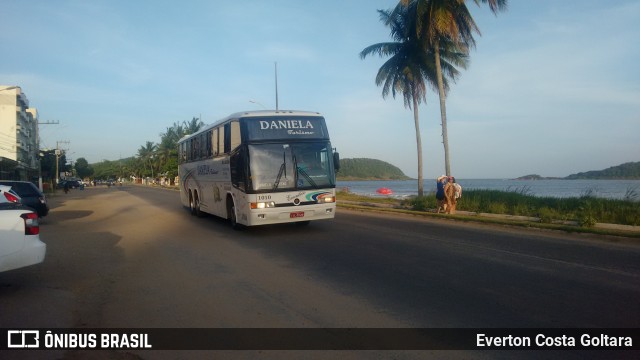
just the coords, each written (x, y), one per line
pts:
(298, 214)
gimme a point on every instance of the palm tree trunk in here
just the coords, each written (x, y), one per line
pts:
(416, 120)
(443, 112)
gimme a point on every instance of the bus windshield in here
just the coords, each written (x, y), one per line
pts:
(291, 166)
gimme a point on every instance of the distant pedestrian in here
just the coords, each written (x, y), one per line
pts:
(450, 195)
(440, 198)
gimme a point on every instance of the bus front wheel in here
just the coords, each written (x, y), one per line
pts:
(231, 214)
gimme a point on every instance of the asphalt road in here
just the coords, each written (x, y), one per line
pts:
(133, 257)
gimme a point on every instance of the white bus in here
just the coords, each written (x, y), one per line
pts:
(260, 167)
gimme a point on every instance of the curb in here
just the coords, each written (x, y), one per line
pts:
(567, 225)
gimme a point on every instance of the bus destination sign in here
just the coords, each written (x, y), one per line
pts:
(286, 128)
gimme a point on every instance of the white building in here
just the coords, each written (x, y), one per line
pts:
(19, 145)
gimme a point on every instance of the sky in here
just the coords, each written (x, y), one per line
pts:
(552, 88)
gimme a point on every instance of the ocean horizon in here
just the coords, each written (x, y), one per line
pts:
(560, 188)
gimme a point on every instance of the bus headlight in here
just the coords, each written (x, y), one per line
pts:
(326, 199)
(263, 205)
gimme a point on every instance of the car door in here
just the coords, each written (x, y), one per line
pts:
(11, 232)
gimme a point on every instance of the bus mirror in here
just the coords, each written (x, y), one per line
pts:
(336, 161)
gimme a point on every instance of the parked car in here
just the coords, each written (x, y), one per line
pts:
(20, 243)
(30, 195)
(73, 184)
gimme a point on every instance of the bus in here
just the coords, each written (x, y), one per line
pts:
(259, 168)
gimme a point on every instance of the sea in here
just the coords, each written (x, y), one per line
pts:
(611, 189)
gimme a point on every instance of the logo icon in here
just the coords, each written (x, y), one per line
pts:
(23, 339)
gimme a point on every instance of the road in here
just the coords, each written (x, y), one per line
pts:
(133, 257)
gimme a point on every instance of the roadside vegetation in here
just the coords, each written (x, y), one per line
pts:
(586, 210)
(153, 159)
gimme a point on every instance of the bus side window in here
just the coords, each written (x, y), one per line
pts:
(196, 146)
(192, 148)
(231, 136)
(214, 142)
(203, 146)
(221, 132)
(227, 138)
(235, 134)
(238, 167)
(208, 138)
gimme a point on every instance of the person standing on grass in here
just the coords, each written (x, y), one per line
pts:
(450, 195)
(440, 198)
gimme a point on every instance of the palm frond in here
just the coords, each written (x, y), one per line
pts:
(494, 5)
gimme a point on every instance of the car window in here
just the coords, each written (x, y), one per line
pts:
(24, 189)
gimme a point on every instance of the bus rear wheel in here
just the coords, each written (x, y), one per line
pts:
(196, 206)
(191, 204)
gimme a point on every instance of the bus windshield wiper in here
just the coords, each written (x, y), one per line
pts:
(283, 169)
(304, 173)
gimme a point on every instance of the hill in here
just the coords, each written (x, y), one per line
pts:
(536, 177)
(626, 171)
(369, 169)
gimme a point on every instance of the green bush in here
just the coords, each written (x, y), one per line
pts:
(497, 208)
(587, 210)
(422, 203)
(547, 215)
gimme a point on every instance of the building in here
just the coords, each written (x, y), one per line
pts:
(19, 144)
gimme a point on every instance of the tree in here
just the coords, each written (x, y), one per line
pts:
(146, 153)
(410, 66)
(83, 169)
(192, 126)
(48, 164)
(450, 21)
(167, 149)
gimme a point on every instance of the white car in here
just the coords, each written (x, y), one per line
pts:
(20, 243)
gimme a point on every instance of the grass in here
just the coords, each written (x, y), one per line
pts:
(586, 210)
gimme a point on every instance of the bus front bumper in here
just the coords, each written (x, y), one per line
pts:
(291, 214)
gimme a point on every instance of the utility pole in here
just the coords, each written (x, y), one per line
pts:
(58, 152)
(276, 68)
(54, 122)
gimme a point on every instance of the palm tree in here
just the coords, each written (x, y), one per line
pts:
(410, 66)
(166, 150)
(146, 152)
(447, 21)
(192, 126)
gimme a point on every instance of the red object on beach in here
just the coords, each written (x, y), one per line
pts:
(384, 191)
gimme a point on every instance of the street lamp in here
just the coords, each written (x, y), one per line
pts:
(58, 153)
(257, 103)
